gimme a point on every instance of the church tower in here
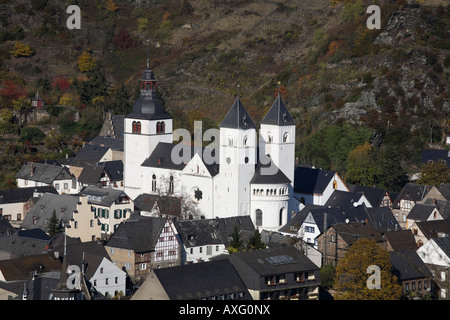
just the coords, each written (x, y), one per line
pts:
(277, 137)
(146, 126)
(238, 155)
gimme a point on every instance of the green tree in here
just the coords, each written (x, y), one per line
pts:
(255, 242)
(351, 273)
(23, 106)
(53, 225)
(32, 134)
(361, 169)
(434, 174)
(236, 243)
(327, 274)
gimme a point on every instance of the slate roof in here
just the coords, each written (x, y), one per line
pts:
(138, 233)
(401, 239)
(420, 212)
(114, 169)
(444, 189)
(38, 288)
(202, 232)
(90, 154)
(278, 114)
(443, 206)
(374, 195)
(23, 194)
(444, 244)
(408, 265)
(109, 195)
(161, 157)
(383, 219)
(148, 106)
(278, 178)
(91, 174)
(259, 261)
(63, 205)
(201, 280)
(343, 198)
(23, 243)
(310, 180)
(435, 155)
(432, 228)
(352, 231)
(107, 141)
(93, 251)
(42, 172)
(5, 227)
(237, 117)
(413, 191)
(17, 269)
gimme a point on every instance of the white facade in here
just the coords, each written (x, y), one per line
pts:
(108, 279)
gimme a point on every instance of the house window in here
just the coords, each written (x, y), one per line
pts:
(143, 266)
(259, 218)
(19, 216)
(57, 186)
(116, 280)
(101, 270)
(334, 184)
(76, 224)
(208, 250)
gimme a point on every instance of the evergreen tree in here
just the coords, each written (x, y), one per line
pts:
(255, 242)
(53, 225)
(236, 243)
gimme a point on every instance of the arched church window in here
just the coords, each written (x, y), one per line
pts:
(230, 141)
(134, 127)
(245, 140)
(163, 127)
(258, 218)
(138, 127)
(270, 138)
(158, 127)
(285, 137)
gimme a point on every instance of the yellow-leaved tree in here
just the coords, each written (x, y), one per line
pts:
(22, 50)
(86, 63)
(351, 273)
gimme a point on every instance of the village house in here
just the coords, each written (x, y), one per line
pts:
(110, 207)
(278, 274)
(107, 174)
(94, 262)
(34, 174)
(73, 212)
(412, 273)
(377, 197)
(422, 212)
(425, 230)
(436, 255)
(204, 239)
(141, 244)
(16, 203)
(410, 194)
(336, 240)
(342, 199)
(315, 186)
(15, 243)
(213, 280)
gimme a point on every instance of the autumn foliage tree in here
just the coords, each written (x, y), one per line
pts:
(22, 50)
(351, 273)
(86, 63)
(434, 174)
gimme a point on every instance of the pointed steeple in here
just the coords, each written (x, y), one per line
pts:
(148, 106)
(278, 114)
(237, 117)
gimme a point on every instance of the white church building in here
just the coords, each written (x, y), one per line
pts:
(246, 177)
